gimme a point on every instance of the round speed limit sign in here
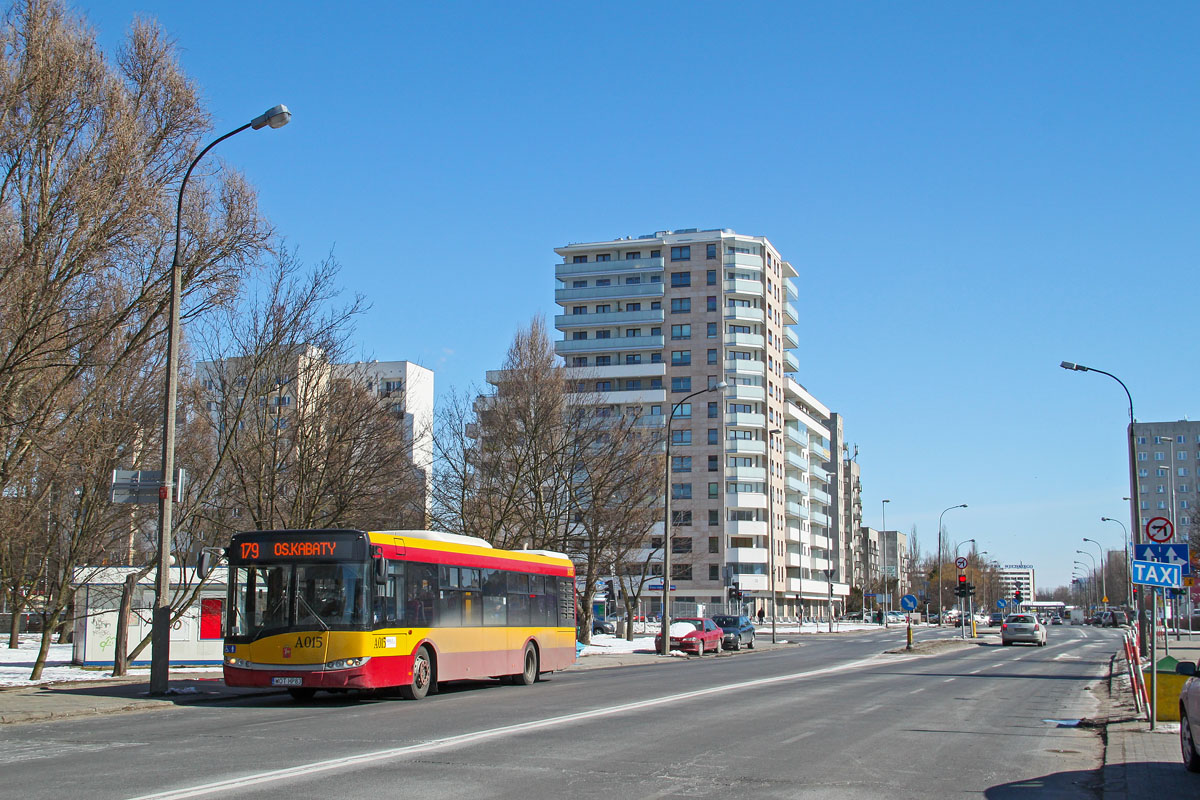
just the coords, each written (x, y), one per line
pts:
(961, 562)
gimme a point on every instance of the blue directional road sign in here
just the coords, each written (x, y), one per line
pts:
(908, 602)
(1164, 554)
(1001, 603)
(1152, 573)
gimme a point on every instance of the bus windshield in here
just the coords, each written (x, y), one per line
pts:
(271, 598)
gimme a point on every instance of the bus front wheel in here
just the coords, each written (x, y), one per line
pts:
(528, 675)
(422, 677)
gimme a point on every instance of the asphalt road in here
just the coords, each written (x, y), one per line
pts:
(829, 718)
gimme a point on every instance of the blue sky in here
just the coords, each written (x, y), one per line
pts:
(970, 192)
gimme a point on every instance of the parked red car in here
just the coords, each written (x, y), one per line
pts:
(693, 635)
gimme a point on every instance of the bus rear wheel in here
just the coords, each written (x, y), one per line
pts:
(529, 674)
(422, 677)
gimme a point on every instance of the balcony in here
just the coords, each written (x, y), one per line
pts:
(750, 583)
(739, 392)
(608, 267)
(610, 318)
(793, 508)
(567, 296)
(791, 363)
(795, 460)
(818, 540)
(745, 366)
(753, 341)
(795, 485)
(748, 474)
(745, 447)
(789, 314)
(818, 563)
(743, 314)
(790, 336)
(820, 495)
(624, 343)
(819, 472)
(612, 371)
(745, 420)
(752, 260)
(820, 518)
(743, 287)
(819, 451)
(745, 500)
(746, 527)
(631, 396)
(747, 555)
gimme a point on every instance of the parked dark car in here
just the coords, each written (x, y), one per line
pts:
(996, 619)
(737, 631)
(603, 626)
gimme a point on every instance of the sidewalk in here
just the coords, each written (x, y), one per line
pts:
(1139, 762)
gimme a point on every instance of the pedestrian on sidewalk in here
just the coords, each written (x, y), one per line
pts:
(762, 614)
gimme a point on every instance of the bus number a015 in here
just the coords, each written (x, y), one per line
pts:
(309, 641)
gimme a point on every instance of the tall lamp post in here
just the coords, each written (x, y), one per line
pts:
(1134, 503)
(666, 589)
(1093, 559)
(887, 589)
(160, 635)
(941, 613)
(771, 434)
(1103, 578)
(1128, 570)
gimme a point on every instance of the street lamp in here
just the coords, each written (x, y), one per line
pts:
(963, 616)
(160, 638)
(940, 558)
(1090, 556)
(1103, 578)
(1128, 570)
(1134, 503)
(771, 434)
(887, 589)
(666, 599)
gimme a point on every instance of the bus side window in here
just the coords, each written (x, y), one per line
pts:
(420, 590)
(495, 607)
(389, 602)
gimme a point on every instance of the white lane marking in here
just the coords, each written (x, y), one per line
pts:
(976, 671)
(948, 680)
(798, 737)
(869, 709)
(914, 691)
(1065, 655)
(327, 765)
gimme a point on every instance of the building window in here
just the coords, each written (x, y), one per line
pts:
(579, 260)
(604, 281)
(1141, 440)
(633, 358)
(603, 386)
(679, 332)
(1141, 456)
(714, 519)
(578, 310)
(655, 305)
(714, 490)
(578, 336)
(633, 332)
(683, 384)
(603, 257)
(633, 255)
(681, 279)
(714, 410)
(713, 461)
(578, 284)
(1182, 472)
(681, 463)
(603, 361)
(710, 277)
(681, 572)
(631, 385)
(656, 358)
(656, 253)
(712, 330)
(680, 358)
(604, 334)
(579, 361)
(656, 331)
(633, 306)
(633, 280)
(681, 305)
(680, 519)
(683, 437)
(683, 411)
(604, 308)
(681, 491)
(714, 437)
(714, 571)
(655, 383)
(1181, 455)
(683, 253)
(1159, 456)
(711, 303)
(710, 251)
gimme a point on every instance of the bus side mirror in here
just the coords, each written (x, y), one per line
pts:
(379, 566)
(206, 563)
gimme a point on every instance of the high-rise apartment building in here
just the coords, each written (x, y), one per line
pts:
(1012, 577)
(648, 321)
(1168, 462)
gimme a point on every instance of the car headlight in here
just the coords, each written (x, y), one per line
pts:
(347, 663)
(231, 661)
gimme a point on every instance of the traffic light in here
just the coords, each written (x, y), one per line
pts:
(735, 594)
(610, 590)
(970, 590)
(961, 589)
(1017, 597)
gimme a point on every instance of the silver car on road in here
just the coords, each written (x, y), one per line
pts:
(1023, 628)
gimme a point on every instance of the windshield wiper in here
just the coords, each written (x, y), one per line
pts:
(311, 610)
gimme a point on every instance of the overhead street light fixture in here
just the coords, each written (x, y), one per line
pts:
(941, 612)
(160, 635)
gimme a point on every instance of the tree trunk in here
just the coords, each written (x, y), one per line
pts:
(124, 611)
(39, 664)
(14, 625)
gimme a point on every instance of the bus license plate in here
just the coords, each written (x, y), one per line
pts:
(287, 681)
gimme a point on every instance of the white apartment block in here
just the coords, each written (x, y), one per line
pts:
(406, 387)
(647, 321)
(1168, 462)
(1012, 577)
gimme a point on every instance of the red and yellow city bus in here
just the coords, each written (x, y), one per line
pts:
(349, 609)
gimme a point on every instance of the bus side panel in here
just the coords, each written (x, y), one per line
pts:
(558, 648)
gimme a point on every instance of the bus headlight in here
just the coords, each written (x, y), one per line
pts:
(236, 662)
(347, 663)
